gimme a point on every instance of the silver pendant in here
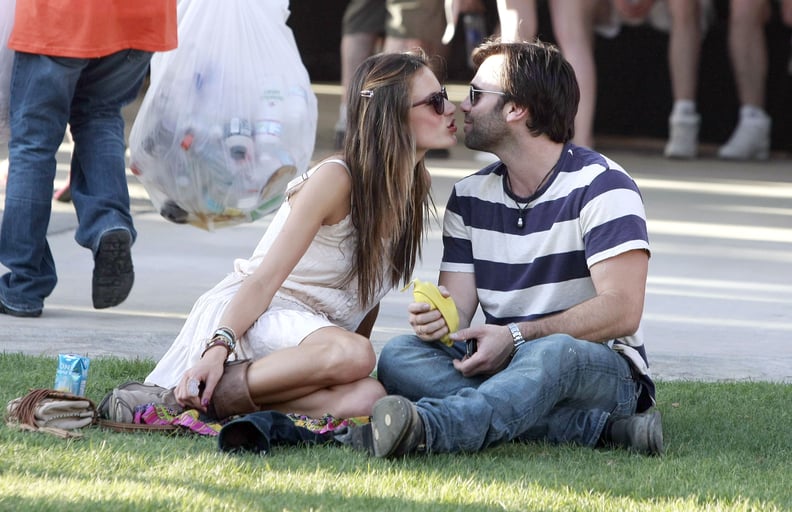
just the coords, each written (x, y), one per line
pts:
(520, 222)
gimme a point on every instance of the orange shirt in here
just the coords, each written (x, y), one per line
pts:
(93, 28)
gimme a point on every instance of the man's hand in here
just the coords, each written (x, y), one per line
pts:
(495, 345)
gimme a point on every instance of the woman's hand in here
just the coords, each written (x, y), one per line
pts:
(197, 385)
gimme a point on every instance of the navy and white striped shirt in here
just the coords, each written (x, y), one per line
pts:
(589, 210)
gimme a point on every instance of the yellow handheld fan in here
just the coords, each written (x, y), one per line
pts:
(424, 291)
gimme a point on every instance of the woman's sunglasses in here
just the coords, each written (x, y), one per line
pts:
(436, 100)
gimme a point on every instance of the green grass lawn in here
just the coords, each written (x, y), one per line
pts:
(728, 447)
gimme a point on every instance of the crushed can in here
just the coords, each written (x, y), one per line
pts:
(72, 374)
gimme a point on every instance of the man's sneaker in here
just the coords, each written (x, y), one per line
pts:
(121, 404)
(683, 130)
(642, 433)
(113, 274)
(396, 427)
(750, 140)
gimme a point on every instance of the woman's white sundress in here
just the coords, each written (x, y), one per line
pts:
(311, 297)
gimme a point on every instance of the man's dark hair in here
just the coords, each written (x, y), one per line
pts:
(538, 77)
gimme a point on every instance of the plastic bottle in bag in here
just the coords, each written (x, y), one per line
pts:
(210, 165)
(241, 155)
(238, 140)
(295, 121)
(161, 138)
(267, 137)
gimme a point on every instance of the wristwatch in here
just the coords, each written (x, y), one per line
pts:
(516, 335)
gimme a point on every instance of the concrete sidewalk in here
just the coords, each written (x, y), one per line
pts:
(719, 297)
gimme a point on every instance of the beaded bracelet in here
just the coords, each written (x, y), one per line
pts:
(228, 335)
(222, 336)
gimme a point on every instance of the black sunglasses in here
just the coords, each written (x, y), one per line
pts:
(475, 93)
(436, 100)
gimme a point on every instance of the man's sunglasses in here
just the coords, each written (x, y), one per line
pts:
(475, 93)
(436, 100)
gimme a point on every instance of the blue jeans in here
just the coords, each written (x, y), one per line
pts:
(46, 94)
(556, 389)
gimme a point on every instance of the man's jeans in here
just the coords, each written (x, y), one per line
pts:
(557, 389)
(46, 94)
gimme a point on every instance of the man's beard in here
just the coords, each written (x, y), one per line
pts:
(486, 133)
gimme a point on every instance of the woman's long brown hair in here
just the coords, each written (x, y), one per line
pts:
(390, 189)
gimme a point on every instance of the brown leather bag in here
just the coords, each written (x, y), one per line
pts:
(55, 412)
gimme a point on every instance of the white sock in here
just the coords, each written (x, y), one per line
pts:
(684, 107)
(752, 111)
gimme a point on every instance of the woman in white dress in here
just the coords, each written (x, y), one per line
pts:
(298, 313)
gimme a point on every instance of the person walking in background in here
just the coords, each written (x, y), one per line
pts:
(574, 23)
(551, 242)
(686, 22)
(298, 313)
(684, 52)
(749, 59)
(748, 54)
(77, 65)
(394, 26)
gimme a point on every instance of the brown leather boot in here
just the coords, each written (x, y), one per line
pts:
(232, 394)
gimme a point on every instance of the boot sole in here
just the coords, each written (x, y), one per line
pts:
(390, 420)
(654, 434)
(113, 274)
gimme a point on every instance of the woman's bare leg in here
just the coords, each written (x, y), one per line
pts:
(344, 401)
(573, 26)
(518, 20)
(330, 361)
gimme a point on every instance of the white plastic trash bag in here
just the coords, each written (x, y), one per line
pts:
(229, 117)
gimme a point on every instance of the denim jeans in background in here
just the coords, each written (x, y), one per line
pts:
(46, 94)
(556, 389)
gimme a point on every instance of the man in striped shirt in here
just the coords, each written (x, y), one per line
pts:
(551, 243)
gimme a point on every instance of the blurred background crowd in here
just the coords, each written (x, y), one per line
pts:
(678, 71)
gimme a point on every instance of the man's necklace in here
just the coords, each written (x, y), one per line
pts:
(523, 207)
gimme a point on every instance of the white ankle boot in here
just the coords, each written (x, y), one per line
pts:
(751, 138)
(683, 130)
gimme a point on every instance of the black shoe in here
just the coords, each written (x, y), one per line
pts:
(21, 314)
(397, 429)
(642, 433)
(113, 273)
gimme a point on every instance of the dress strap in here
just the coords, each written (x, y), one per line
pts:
(307, 174)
